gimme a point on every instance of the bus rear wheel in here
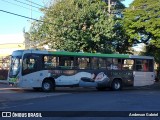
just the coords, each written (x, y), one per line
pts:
(47, 86)
(116, 85)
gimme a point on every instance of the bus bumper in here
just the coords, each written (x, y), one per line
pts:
(13, 84)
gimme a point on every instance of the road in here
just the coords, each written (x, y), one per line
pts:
(81, 100)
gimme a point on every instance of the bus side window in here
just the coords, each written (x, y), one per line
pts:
(127, 64)
(102, 63)
(151, 69)
(94, 62)
(145, 65)
(138, 65)
(30, 64)
(116, 64)
(66, 62)
(109, 63)
(83, 63)
(50, 62)
(142, 65)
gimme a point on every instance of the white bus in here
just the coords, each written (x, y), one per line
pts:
(47, 70)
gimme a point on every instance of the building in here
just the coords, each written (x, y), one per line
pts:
(9, 43)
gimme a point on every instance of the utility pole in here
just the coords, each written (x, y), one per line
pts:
(109, 7)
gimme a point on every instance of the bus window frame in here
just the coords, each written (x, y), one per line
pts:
(31, 56)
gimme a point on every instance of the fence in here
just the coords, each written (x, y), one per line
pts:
(3, 74)
(4, 67)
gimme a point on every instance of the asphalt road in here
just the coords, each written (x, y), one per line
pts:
(82, 100)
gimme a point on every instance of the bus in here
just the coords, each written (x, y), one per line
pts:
(46, 70)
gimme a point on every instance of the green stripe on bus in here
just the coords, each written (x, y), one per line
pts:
(89, 54)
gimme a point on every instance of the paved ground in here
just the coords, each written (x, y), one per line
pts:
(156, 85)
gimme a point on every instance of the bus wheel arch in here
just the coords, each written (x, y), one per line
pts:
(48, 84)
(116, 84)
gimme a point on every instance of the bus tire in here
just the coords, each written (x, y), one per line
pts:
(47, 86)
(116, 85)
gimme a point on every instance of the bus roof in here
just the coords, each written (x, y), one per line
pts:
(89, 54)
(99, 55)
(85, 54)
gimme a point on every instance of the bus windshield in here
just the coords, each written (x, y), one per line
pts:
(15, 66)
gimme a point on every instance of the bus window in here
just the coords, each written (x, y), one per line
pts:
(50, 62)
(66, 62)
(94, 62)
(109, 63)
(83, 63)
(142, 65)
(127, 64)
(138, 65)
(145, 65)
(151, 69)
(116, 64)
(30, 64)
(102, 63)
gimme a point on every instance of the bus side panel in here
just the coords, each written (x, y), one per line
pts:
(125, 75)
(63, 77)
(104, 78)
(34, 79)
(143, 78)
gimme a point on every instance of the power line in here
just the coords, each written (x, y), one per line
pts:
(21, 15)
(24, 16)
(26, 4)
(19, 5)
(34, 3)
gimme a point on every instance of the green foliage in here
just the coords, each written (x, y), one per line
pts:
(142, 22)
(76, 25)
(152, 50)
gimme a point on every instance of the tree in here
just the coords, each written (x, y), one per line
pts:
(142, 22)
(76, 25)
(121, 43)
(152, 50)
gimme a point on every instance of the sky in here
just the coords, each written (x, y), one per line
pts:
(12, 24)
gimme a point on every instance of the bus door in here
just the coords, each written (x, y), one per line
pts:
(31, 71)
(144, 73)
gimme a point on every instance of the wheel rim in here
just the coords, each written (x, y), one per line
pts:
(46, 86)
(117, 85)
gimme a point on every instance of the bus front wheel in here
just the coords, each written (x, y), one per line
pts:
(47, 86)
(116, 85)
